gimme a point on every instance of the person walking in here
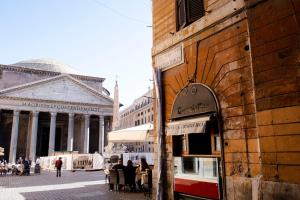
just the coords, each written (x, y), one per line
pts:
(58, 165)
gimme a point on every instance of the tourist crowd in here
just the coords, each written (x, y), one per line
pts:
(21, 167)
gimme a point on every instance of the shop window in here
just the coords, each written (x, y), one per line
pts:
(202, 167)
(199, 143)
(207, 143)
(189, 11)
(179, 145)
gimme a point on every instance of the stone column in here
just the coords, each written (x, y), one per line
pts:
(14, 137)
(101, 134)
(52, 133)
(86, 133)
(34, 129)
(70, 132)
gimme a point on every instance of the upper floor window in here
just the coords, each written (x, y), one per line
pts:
(188, 11)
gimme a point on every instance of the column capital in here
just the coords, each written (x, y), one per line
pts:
(35, 113)
(53, 114)
(71, 115)
(16, 112)
(101, 120)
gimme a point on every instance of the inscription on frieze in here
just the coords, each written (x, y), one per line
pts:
(61, 107)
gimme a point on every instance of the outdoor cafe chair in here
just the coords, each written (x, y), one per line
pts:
(121, 182)
(113, 178)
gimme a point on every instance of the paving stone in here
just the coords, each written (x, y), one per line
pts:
(78, 185)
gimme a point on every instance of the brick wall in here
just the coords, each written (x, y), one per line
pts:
(164, 19)
(275, 42)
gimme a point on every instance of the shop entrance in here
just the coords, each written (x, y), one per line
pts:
(196, 136)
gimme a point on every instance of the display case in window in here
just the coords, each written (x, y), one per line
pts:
(196, 176)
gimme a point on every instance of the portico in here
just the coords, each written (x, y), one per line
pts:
(60, 113)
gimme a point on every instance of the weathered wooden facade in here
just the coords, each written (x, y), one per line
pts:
(247, 53)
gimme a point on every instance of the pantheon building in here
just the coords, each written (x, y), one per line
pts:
(46, 106)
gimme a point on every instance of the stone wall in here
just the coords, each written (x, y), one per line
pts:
(275, 42)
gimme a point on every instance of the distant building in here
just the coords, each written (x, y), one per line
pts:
(139, 112)
(135, 131)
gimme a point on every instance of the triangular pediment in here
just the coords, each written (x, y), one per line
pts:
(63, 88)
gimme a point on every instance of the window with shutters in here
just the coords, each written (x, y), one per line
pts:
(188, 11)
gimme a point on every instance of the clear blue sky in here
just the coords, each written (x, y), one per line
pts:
(101, 38)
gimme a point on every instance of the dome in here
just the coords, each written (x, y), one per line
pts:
(47, 65)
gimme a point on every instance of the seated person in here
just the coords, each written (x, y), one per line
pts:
(141, 170)
(116, 167)
(119, 165)
(130, 175)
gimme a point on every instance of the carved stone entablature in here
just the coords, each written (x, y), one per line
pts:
(11, 103)
(27, 70)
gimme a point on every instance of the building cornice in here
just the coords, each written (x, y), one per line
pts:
(48, 73)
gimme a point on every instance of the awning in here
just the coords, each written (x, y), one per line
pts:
(196, 125)
(133, 134)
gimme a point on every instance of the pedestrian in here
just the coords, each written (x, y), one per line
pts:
(58, 165)
(37, 167)
(26, 167)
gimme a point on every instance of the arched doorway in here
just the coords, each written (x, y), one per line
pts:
(195, 128)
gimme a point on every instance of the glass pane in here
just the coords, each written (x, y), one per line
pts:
(196, 168)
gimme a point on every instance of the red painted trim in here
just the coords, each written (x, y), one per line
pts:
(197, 188)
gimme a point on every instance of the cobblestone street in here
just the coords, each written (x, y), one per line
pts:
(72, 185)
